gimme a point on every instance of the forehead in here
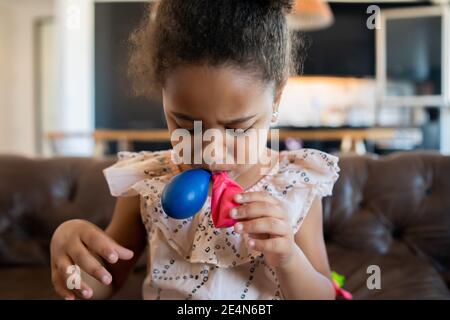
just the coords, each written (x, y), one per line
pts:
(221, 90)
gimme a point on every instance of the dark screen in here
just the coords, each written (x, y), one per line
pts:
(347, 48)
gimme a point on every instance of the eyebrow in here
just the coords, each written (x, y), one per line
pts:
(183, 116)
(230, 122)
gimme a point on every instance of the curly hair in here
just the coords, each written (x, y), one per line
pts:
(251, 35)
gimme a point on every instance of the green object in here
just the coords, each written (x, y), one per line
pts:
(340, 279)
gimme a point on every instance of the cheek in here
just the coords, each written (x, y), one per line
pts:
(171, 123)
(254, 146)
(172, 126)
(264, 108)
(264, 122)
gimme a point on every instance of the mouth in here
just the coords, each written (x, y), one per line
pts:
(212, 168)
(218, 171)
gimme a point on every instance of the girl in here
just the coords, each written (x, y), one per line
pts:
(224, 63)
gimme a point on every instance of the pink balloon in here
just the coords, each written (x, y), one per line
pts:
(223, 191)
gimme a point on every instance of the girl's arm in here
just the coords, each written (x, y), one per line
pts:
(307, 275)
(300, 260)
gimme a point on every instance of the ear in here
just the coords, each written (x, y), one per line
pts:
(278, 94)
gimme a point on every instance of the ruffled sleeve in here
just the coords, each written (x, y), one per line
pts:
(126, 176)
(304, 175)
(320, 169)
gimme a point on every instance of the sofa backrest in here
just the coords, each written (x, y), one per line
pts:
(376, 201)
(36, 195)
(403, 197)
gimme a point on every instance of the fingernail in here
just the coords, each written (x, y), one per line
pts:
(69, 298)
(106, 279)
(86, 293)
(112, 257)
(251, 243)
(234, 213)
(238, 227)
(238, 198)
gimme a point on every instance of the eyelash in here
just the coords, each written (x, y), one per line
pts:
(240, 132)
(236, 130)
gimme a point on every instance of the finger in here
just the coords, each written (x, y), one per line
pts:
(258, 209)
(59, 284)
(63, 268)
(84, 259)
(60, 288)
(59, 276)
(273, 245)
(272, 226)
(106, 247)
(255, 196)
(85, 291)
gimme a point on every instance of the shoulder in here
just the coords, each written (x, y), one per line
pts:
(303, 177)
(132, 167)
(312, 167)
(151, 163)
(311, 158)
(144, 158)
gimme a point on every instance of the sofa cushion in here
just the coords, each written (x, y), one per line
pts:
(403, 274)
(36, 195)
(379, 203)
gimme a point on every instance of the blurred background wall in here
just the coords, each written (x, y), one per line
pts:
(63, 71)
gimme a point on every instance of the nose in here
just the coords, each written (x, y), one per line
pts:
(215, 153)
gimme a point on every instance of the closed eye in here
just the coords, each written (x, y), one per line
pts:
(238, 131)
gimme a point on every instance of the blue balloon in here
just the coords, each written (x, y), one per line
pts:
(186, 194)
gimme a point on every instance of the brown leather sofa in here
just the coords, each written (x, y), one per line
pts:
(392, 212)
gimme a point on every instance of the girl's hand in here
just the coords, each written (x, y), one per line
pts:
(265, 219)
(79, 242)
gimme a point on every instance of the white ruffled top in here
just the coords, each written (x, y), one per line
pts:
(190, 259)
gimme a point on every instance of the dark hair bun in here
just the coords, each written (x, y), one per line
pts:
(252, 35)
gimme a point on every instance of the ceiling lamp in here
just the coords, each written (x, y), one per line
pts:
(309, 15)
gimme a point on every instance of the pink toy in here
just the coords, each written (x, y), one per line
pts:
(223, 191)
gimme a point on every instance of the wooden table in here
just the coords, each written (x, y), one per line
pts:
(352, 139)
